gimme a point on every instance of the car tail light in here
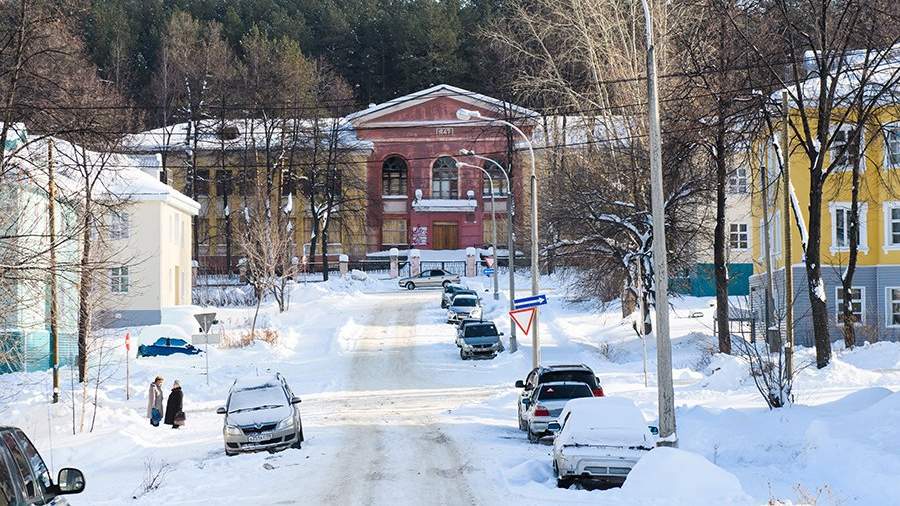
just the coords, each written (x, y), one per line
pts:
(541, 411)
(598, 392)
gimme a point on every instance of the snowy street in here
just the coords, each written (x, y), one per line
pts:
(391, 414)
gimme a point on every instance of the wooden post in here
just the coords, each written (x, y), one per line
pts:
(54, 308)
(788, 270)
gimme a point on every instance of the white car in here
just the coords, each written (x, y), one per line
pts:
(599, 440)
(547, 402)
(462, 307)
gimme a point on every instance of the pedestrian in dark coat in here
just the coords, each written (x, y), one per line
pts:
(174, 413)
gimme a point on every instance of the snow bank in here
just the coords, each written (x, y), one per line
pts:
(681, 477)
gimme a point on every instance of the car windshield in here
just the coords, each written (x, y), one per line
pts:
(477, 330)
(579, 376)
(251, 399)
(553, 392)
(464, 302)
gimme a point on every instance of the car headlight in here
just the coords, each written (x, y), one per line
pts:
(287, 423)
(231, 430)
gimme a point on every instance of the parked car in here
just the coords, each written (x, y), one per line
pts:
(547, 402)
(24, 478)
(429, 278)
(479, 339)
(462, 307)
(165, 346)
(599, 441)
(551, 373)
(261, 413)
(452, 290)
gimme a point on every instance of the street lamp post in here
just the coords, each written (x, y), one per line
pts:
(666, 391)
(510, 239)
(493, 226)
(467, 115)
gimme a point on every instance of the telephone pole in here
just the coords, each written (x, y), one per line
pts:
(54, 309)
(788, 269)
(665, 388)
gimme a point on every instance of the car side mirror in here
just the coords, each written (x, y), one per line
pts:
(70, 481)
(295, 400)
(220, 411)
(653, 430)
(520, 384)
(554, 427)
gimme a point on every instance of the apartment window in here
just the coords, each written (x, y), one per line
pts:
(893, 307)
(892, 225)
(842, 149)
(738, 181)
(118, 226)
(393, 176)
(489, 231)
(840, 227)
(739, 236)
(775, 235)
(497, 178)
(892, 146)
(393, 231)
(857, 303)
(118, 277)
(444, 178)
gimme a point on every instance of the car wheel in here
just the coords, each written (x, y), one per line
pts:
(298, 439)
(410, 286)
(462, 355)
(522, 426)
(532, 437)
(565, 482)
(445, 283)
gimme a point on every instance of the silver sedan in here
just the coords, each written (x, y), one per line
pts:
(429, 278)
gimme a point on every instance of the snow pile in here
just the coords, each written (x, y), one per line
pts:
(681, 477)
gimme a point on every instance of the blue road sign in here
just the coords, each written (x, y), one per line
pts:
(527, 302)
(488, 271)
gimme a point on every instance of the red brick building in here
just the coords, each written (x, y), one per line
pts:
(420, 193)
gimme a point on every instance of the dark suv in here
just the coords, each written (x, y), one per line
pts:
(24, 478)
(554, 373)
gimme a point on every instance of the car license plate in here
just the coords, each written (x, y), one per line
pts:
(262, 436)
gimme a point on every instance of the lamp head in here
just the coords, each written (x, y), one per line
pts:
(466, 115)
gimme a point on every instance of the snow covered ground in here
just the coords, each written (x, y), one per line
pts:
(393, 416)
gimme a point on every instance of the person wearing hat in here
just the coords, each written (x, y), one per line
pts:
(174, 413)
(155, 402)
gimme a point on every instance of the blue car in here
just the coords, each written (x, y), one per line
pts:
(165, 346)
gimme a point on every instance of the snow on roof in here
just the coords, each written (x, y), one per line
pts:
(879, 69)
(442, 90)
(573, 131)
(240, 134)
(603, 420)
(129, 177)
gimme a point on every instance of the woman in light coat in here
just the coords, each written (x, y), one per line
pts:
(155, 402)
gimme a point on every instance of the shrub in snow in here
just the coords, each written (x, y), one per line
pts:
(681, 477)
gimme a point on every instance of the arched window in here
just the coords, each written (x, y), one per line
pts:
(393, 176)
(498, 178)
(444, 179)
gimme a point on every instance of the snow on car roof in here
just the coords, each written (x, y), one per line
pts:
(248, 382)
(465, 296)
(603, 420)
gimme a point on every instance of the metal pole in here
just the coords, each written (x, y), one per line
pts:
(493, 223)
(467, 115)
(510, 248)
(666, 392)
(54, 307)
(788, 269)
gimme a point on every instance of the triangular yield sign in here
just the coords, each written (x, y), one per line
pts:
(523, 318)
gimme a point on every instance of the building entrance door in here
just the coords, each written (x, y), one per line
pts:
(445, 235)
